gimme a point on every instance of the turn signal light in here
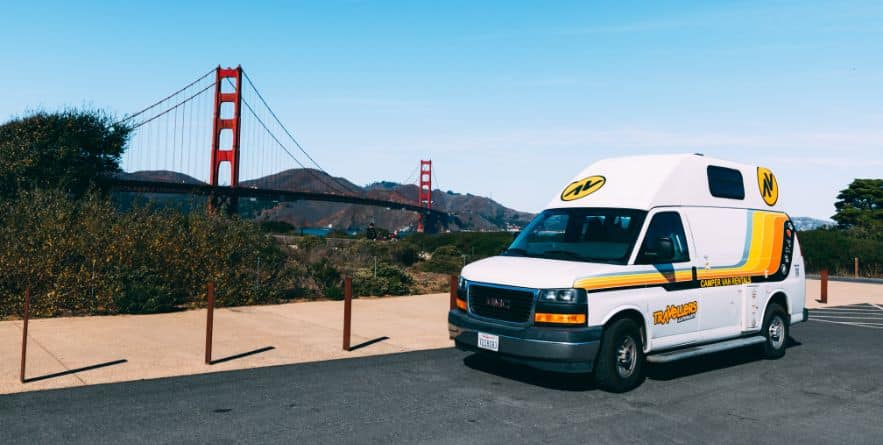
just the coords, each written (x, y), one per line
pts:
(560, 318)
(461, 304)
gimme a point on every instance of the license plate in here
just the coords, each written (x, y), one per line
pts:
(489, 341)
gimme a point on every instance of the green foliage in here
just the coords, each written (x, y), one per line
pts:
(390, 280)
(445, 259)
(69, 150)
(327, 278)
(860, 208)
(85, 257)
(475, 245)
(406, 255)
(834, 250)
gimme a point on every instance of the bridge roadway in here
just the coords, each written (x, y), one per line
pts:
(827, 389)
(128, 185)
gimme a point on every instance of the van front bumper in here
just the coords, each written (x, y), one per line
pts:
(569, 349)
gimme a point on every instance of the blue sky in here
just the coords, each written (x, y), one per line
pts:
(509, 99)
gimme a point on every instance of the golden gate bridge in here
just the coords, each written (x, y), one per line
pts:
(218, 137)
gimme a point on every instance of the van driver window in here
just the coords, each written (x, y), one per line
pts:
(668, 225)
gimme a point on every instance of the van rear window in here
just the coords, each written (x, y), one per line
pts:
(725, 182)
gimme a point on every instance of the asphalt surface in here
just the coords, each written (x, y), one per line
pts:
(828, 388)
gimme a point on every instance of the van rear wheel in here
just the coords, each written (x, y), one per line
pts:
(620, 363)
(775, 330)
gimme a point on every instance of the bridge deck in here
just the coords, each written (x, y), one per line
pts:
(128, 185)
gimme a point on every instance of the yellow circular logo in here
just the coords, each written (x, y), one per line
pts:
(769, 188)
(582, 188)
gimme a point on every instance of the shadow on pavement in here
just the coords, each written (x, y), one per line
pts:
(244, 354)
(74, 371)
(368, 343)
(584, 381)
(531, 376)
(708, 362)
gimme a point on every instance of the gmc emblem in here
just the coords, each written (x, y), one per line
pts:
(499, 303)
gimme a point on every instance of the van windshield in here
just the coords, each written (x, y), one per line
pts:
(598, 235)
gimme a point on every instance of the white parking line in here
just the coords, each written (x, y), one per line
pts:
(847, 309)
(860, 325)
(850, 317)
(856, 312)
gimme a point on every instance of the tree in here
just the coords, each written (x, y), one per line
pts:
(860, 207)
(70, 150)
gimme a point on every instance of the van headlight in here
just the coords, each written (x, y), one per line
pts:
(461, 283)
(572, 296)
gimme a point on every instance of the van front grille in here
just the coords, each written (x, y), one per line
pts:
(501, 303)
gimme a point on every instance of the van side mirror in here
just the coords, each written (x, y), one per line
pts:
(665, 249)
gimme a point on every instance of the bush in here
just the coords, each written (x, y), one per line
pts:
(390, 280)
(406, 255)
(475, 245)
(835, 249)
(327, 278)
(85, 257)
(71, 150)
(445, 259)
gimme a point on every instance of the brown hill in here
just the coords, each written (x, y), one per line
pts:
(470, 212)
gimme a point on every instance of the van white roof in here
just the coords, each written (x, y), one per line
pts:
(644, 182)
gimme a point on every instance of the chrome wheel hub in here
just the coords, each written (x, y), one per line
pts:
(777, 332)
(626, 357)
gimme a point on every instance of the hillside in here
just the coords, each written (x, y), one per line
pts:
(806, 223)
(470, 212)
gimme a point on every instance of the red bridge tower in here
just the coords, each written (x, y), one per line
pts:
(425, 192)
(221, 123)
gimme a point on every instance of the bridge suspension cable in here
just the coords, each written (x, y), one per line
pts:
(336, 184)
(175, 138)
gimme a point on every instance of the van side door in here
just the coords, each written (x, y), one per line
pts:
(672, 303)
(721, 237)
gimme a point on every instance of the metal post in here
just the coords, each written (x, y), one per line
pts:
(209, 321)
(824, 295)
(453, 292)
(347, 311)
(24, 333)
(855, 266)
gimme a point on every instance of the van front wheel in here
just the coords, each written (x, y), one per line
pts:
(620, 363)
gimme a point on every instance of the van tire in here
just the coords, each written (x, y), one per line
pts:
(619, 366)
(775, 330)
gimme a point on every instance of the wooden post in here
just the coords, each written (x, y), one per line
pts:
(453, 292)
(209, 321)
(347, 311)
(855, 266)
(824, 292)
(24, 333)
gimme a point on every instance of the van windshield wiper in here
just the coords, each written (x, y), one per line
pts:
(516, 251)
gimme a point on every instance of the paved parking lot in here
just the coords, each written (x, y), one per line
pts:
(827, 389)
(865, 315)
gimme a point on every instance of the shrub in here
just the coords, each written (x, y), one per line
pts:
(390, 280)
(84, 256)
(445, 259)
(326, 277)
(835, 249)
(406, 255)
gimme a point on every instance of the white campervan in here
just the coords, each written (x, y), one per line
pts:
(652, 258)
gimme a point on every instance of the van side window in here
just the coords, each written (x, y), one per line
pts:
(725, 182)
(668, 225)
